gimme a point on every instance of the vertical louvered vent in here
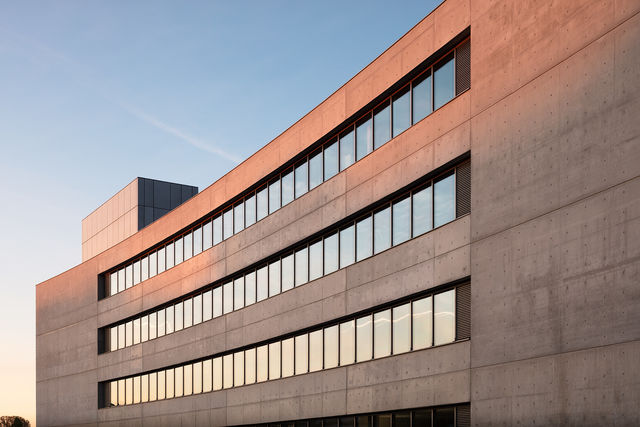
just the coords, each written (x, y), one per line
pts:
(463, 416)
(463, 312)
(463, 189)
(463, 67)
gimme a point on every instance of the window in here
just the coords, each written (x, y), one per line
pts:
(402, 419)
(364, 137)
(207, 376)
(382, 334)
(162, 323)
(250, 288)
(144, 326)
(421, 96)
(238, 293)
(401, 220)
(444, 417)
(153, 264)
(144, 268)
(330, 160)
(364, 240)
(153, 386)
(217, 229)
(250, 366)
(250, 210)
(444, 323)
(421, 211)
(444, 203)
(136, 331)
(227, 371)
(262, 363)
(179, 317)
(227, 294)
(238, 368)
(136, 272)
(178, 245)
(197, 378)
(287, 188)
(287, 357)
(287, 272)
(113, 283)
(347, 342)
(179, 381)
(207, 306)
(331, 347)
(188, 246)
(129, 391)
(347, 246)
(217, 301)
(443, 82)
(347, 153)
(402, 329)
(263, 283)
(263, 203)
(188, 312)
(169, 377)
(128, 333)
(315, 169)
(197, 309)
(227, 223)
(301, 175)
(381, 125)
(162, 266)
(238, 217)
(364, 338)
(302, 354)
(121, 280)
(401, 111)
(274, 278)
(113, 339)
(331, 253)
(217, 373)
(302, 266)
(121, 392)
(381, 230)
(274, 360)
(128, 271)
(315, 351)
(207, 236)
(315, 260)
(162, 385)
(274, 196)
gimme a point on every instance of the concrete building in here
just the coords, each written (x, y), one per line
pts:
(451, 238)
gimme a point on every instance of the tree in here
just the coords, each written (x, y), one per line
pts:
(14, 421)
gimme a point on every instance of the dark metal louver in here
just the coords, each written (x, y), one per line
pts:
(463, 67)
(463, 312)
(463, 416)
(463, 189)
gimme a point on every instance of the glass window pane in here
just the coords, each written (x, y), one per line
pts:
(162, 385)
(444, 203)
(121, 336)
(331, 253)
(330, 160)
(113, 393)
(364, 137)
(364, 338)
(347, 246)
(263, 203)
(250, 366)
(227, 224)
(444, 319)
(144, 268)
(382, 334)
(197, 309)
(217, 373)
(287, 272)
(121, 280)
(274, 196)
(136, 272)
(179, 381)
(401, 111)
(136, 331)
(443, 82)
(113, 338)
(144, 328)
(301, 176)
(188, 312)
(128, 276)
(238, 217)
(262, 363)
(347, 149)
(207, 376)
(153, 264)
(421, 96)
(364, 240)
(121, 393)
(188, 246)
(197, 378)
(287, 357)
(315, 351)
(128, 391)
(250, 288)
(207, 306)
(381, 125)
(421, 211)
(382, 230)
(330, 422)
(170, 383)
(162, 266)
(287, 187)
(382, 420)
(274, 278)
(238, 293)
(250, 210)
(153, 325)
(315, 169)
(179, 317)
(178, 246)
(347, 342)
(402, 419)
(274, 360)
(168, 317)
(227, 293)
(422, 418)
(402, 329)
(153, 386)
(315, 260)
(113, 284)
(262, 291)
(128, 333)
(443, 417)
(401, 220)
(217, 301)
(331, 347)
(238, 368)
(302, 354)
(188, 379)
(347, 422)
(302, 266)
(217, 229)
(207, 235)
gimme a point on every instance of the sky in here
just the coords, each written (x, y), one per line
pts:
(94, 94)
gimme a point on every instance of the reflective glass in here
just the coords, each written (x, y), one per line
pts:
(188, 379)
(207, 376)
(315, 351)
(421, 211)
(301, 175)
(331, 253)
(250, 366)
(144, 268)
(227, 294)
(162, 322)
(330, 422)
(274, 360)
(364, 240)
(217, 373)
(262, 288)
(217, 229)
(162, 266)
(444, 203)
(113, 393)
(262, 363)
(121, 280)
(347, 342)
(121, 336)
(381, 125)
(402, 329)
(382, 333)
(178, 374)
(207, 306)
(136, 331)
(347, 149)
(153, 326)
(188, 246)
(136, 272)
(153, 386)
(287, 188)
(153, 264)
(402, 419)
(401, 111)
(144, 388)
(178, 246)
(302, 266)
(381, 230)
(364, 138)
(331, 347)
(287, 272)
(238, 368)
(238, 293)
(178, 317)
(347, 246)
(217, 301)
(302, 354)
(263, 203)
(401, 220)
(346, 422)
(144, 328)
(128, 333)
(444, 318)
(169, 320)
(238, 217)
(128, 391)
(250, 288)
(287, 357)
(113, 338)
(128, 276)
(444, 417)
(382, 420)
(227, 224)
(274, 196)
(315, 260)
(113, 283)
(197, 240)
(364, 338)
(315, 169)
(188, 312)
(121, 393)
(330, 160)
(227, 374)
(250, 210)
(421, 96)
(422, 418)
(169, 378)
(274, 278)
(443, 82)
(197, 378)
(162, 385)
(207, 235)
(197, 309)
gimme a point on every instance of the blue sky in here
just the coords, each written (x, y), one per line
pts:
(93, 94)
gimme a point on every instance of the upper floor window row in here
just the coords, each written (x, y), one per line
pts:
(419, 97)
(427, 206)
